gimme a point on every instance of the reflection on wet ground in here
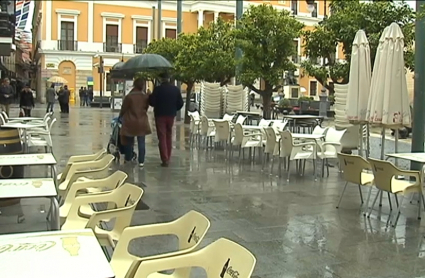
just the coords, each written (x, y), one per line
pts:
(292, 228)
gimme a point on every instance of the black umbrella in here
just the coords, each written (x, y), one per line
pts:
(145, 62)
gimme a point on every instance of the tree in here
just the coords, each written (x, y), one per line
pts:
(187, 57)
(340, 28)
(219, 42)
(266, 38)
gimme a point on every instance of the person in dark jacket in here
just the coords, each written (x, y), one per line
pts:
(63, 98)
(26, 102)
(89, 96)
(6, 95)
(50, 98)
(81, 94)
(166, 100)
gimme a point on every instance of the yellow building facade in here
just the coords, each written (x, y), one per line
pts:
(74, 34)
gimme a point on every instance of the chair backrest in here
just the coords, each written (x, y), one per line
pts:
(228, 117)
(271, 140)
(318, 130)
(194, 124)
(6, 117)
(90, 169)
(222, 130)
(80, 158)
(51, 124)
(264, 123)
(3, 120)
(222, 258)
(279, 126)
(383, 172)
(194, 114)
(238, 134)
(47, 115)
(352, 167)
(333, 135)
(286, 143)
(204, 125)
(241, 119)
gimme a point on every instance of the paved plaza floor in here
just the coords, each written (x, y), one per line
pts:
(293, 228)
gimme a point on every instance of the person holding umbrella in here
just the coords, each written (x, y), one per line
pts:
(166, 100)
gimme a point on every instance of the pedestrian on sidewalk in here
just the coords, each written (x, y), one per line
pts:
(26, 102)
(135, 122)
(50, 98)
(63, 98)
(81, 95)
(6, 95)
(166, 100)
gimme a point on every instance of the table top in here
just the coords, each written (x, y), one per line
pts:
(26, 119)
(27, 188)
(307, 136)
(65, 254)
(296, 117)
(27, 159)
(248, 113)
(416, 157)
(256, 127)
(24, 125)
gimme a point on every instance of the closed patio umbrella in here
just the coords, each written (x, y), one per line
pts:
(388, 104)
(359, 86)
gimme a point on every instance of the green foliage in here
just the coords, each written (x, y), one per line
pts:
(304, 98)
(284, 103)
(266, 38)
(218, 51)
(340, 28)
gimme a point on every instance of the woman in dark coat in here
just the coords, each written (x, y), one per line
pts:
(26, 102)
(135, 122)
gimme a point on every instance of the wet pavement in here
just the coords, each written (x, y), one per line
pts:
(293, 228)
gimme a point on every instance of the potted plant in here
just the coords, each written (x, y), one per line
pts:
(285, 106)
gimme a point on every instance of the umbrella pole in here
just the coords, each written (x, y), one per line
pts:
(361, 140)
(396, 145)
(383, 143)
(367, 141)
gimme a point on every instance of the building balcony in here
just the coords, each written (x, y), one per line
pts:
(68, 45)
(112, 47)
(139, 47)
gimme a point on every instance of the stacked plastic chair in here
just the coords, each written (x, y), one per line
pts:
(236, 99)
(211, 100)
(339, 107)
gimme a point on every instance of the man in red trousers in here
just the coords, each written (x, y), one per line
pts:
(166, 100)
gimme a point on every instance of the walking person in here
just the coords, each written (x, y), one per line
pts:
(135, 122)
(50, 98)
(85, 95)
(26, 102)
(6, 95)
(66, 94)
(81, 95)
(60, 99)
(166, 100)
(90, 96)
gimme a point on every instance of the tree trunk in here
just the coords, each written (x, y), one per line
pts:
(267, 97)
(186, 109)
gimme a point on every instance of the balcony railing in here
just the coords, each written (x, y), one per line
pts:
(112, 47)
(139, 47)
(67, 45)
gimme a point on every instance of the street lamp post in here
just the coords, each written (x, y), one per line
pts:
(419, 85)
(101, 70)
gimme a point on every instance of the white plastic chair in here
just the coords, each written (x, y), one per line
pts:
(190, 229)
(194, 127)
(271, 146)
(241, 119)
(295, 151)
(222, 258)
(79, 158)
(330, 148)
(41, 138)
(264, 123)
(222, 133)
(246, 140)
(228, 117)
(207, 130)
(279, 126)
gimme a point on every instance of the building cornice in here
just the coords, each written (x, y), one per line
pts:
(112, 15)
(67, 12)
(141, 17)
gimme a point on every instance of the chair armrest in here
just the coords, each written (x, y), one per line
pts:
(252, 134)
(105, 215)
(305, 144)
(148, 267)
(331, 144)
(409, 173)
